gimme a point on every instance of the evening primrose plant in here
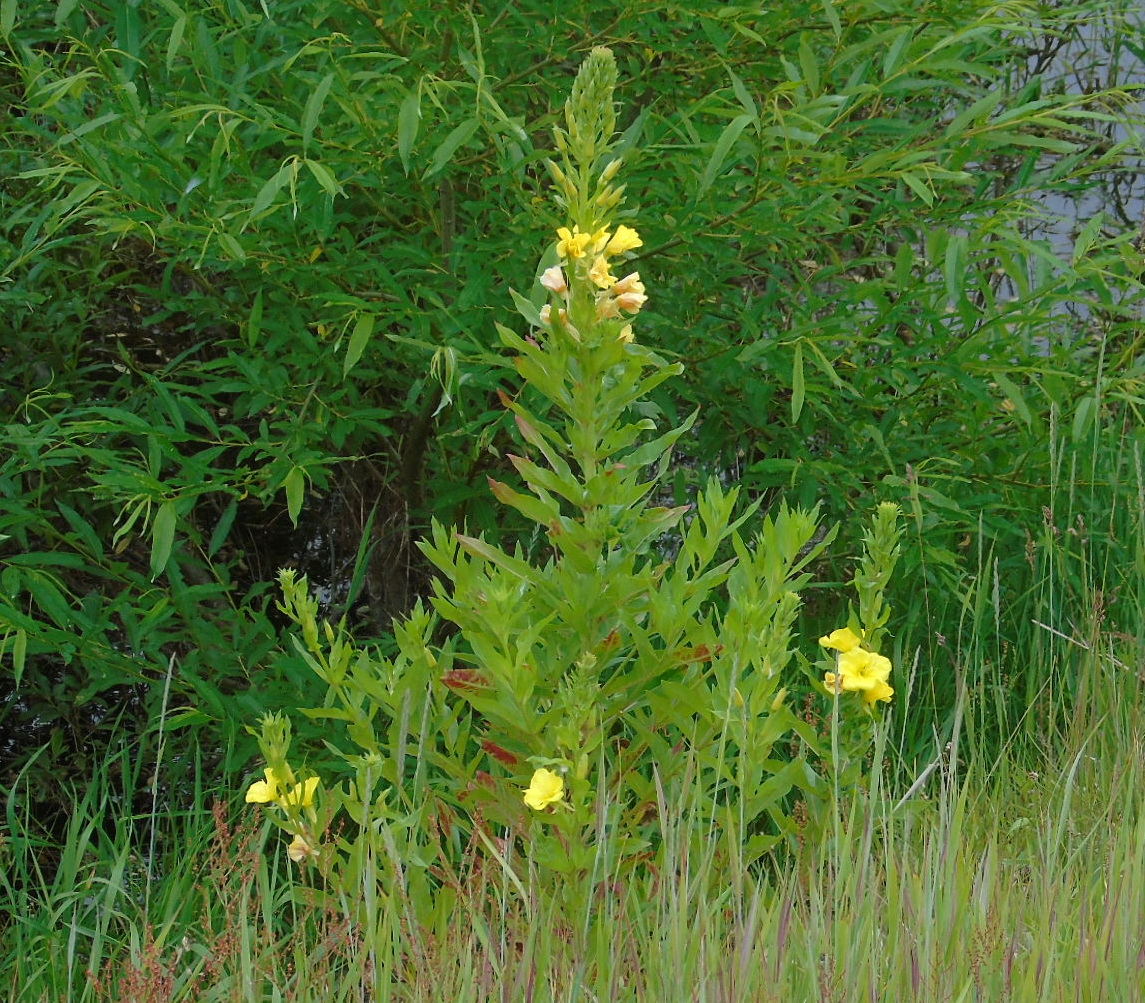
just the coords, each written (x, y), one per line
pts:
(635, 652)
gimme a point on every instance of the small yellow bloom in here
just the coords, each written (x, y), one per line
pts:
(600, 274)
(572, 243)
(545, 788)
(265, 791)
(625, 239)
(626, 334)
(300, 795)
(843, 639)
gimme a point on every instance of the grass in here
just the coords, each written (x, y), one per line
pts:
(1017, 878)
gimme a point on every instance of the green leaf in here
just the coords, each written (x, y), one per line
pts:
(363, 331)
(720, 152)
(313, 110)
(409, 119)
(954, 267)
(269, 191)
(162, 537)
(231, 245)
(1011, 390)
(178, 29)
(323, 176)
(449, 146)
(808, 64)
(1087, 236)
(797, 386)
(916, 185)
(223, 528)
(19, 655)
(294, 484)
(723, 147)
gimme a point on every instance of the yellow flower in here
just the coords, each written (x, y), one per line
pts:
(843, 639)
(546, 788)
(265, 791)
(880, 691)
(626, 334)
(572, 243)
(625, 239)
(861, 671)
(300, 795)
(600, 274)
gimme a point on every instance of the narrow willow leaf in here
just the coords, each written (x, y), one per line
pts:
(919, 187)
(1087, 236)
(797, 385)
(269, 191)
(450, 145)
(720, 152)
(19, 655)
(231, 245)
(323, 176)
(223, 528)
(359, 339)
(409, 119)
(1011, 390)
(175, 40)
(744, 96)
(954, 267)
(162, 537)
(313, 110)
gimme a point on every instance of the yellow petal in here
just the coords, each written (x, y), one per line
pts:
(625, 239)
(843, 639)
(263, 791)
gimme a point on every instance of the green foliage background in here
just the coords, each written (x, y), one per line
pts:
(252, 257)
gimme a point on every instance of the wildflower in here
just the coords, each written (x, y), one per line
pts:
(625, 334)
(300, 795)
(880, 691)
(632, 302)
(572, 243)
(625, 239)
(844, 639)
(600, 274)
(265, 791)
(553, 279)
(545, 788)
(300, 850)
(279, 787)
(861, 671)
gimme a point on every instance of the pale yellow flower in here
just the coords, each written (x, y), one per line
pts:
(625, 239)
(300, 850)
(631, 302)
(600, 274)
(626, 334)
(545, 788)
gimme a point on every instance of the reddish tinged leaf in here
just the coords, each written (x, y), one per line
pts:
(465, 680)
(498, 753)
